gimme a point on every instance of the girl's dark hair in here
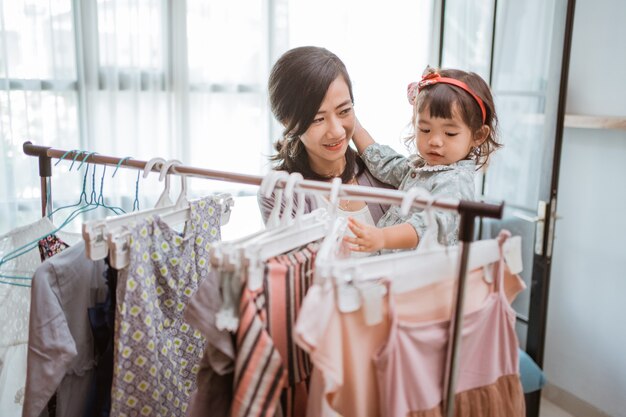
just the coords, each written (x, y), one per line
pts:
(297, 85)
(440, 99)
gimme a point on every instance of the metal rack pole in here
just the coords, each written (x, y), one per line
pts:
(45, 174)
(371, 194)
(466, 235)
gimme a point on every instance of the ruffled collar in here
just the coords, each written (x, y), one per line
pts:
(421, 165)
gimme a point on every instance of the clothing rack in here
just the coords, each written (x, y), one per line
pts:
(468, 211)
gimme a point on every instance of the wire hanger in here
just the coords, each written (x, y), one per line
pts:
(110, 235)
(82, 206)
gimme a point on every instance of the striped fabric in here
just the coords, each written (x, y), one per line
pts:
(270, 369)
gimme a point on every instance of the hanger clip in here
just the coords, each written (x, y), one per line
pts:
(513, 254)
(119, 249)
(255, 273)
(372, 294)
(348, 298)
(95, 242)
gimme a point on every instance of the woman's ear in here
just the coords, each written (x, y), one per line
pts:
(481, 135)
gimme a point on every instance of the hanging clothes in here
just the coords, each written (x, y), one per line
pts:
(343, 347)
(271, 371)
(157, 353)
(214, 391)
(15, 306)
(410, 365)
(102, 321)
(60, 346)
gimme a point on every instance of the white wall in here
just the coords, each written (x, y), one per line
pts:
(586, 339)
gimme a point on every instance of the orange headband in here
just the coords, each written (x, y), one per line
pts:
(434, 78)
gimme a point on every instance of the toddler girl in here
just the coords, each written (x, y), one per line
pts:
(454, 130)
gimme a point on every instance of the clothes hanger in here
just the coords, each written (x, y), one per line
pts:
(295, 236)
(283, 234)
(94, 231)
(100, 199)
(118, 239)
(222, 254)
(164, 199)
(228, 255)
(331, 244)
(82, 206)
(329, 248)
(430, 262)
(180, 212)
(98, 233)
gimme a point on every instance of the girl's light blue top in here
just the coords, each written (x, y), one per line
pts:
(452, 181)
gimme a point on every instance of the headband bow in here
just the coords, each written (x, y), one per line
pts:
(431, 77)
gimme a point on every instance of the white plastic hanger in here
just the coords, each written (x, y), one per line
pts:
(164, 199)
(328, 249)
(225, 254)
(273, 227)
(332, 241)
(94, 231)
(118, 239)
(103, 234)
(293, 236)
(231, 256)
(430, 262)
(268, 186)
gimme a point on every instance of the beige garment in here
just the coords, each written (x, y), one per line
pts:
(214, 392)
(342, 346)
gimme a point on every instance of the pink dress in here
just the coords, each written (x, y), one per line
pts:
(349, 355)
(410, 366)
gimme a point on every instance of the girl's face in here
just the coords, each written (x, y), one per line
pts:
(326, 140)
(443, 141)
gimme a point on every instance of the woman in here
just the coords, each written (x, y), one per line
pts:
(311, 95)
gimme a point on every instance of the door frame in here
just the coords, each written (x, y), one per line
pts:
(540, 287)
(540, 279)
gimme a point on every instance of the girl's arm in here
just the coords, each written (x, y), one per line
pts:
(384, 163)
(458, 183)
(361, 138)
(371, 239)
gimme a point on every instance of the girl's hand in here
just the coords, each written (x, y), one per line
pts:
(366, 238)
(361, 137)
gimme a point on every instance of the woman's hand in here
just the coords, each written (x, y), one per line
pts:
(366, 238)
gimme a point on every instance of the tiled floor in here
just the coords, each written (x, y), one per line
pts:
(549, 409)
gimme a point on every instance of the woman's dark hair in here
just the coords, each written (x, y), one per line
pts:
(297, 85)
(440, 99)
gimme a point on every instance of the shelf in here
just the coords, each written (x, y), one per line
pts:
(595, 122)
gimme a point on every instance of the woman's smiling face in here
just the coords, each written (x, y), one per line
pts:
(327, 138)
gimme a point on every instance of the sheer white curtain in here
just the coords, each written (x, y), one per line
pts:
(181, 79)
(129, 78)
(130, 84)
(92, 75)
(38, 98)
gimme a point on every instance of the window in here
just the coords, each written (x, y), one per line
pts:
(181, 79)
